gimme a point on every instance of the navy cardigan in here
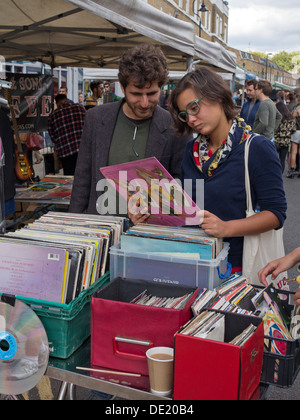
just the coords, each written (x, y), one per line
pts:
(245, 110)
(224, 191)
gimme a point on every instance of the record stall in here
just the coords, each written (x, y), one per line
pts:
(73, 287)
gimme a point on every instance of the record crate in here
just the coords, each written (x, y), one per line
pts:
(199, 273)
(279, 370)
(67, 326)
(207, 369)
(282, 369)
(122, 332)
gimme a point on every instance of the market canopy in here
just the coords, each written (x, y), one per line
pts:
(282, 86)
(94, 33)
(215, 54)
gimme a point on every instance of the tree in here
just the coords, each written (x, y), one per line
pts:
(259, 54)
(284, 60)
(287, 61)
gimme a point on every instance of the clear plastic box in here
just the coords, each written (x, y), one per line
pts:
(165, 269)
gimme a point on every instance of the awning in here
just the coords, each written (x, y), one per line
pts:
(215, 54)
(240, 74)
(113, 74)
(247, 75)
(144, 19)
(90, 33)
(95, 33)
(282, 86)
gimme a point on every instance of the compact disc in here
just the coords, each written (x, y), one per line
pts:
(24, 349)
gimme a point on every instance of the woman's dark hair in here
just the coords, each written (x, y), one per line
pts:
(142, 65)
(208, 84)
(285, 112)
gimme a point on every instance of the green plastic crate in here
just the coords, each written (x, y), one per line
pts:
(67, 326)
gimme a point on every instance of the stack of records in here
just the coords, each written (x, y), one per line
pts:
(227, 297)
(56, 257)
(161, 302)
(211, 326)
(191, 243)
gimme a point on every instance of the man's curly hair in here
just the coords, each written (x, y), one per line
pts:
(142, 65)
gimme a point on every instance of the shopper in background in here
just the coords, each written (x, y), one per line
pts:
(268, 117)
(202, 103)
(284, 132)
(81, 99)
(64, 91)
(251, 106)
(97, 94)
(291, 101)
(295, 140)
(65, 127)
(7, 138)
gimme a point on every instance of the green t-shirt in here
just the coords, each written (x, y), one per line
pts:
(129, 140)
(128, 144)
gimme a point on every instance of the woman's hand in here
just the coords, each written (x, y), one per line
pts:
(213, 226)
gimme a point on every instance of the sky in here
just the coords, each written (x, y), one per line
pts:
(268, 26)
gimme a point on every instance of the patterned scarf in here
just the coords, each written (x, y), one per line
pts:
(202, 154)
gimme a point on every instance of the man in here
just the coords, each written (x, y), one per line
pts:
(251, 106)
(64, 91)
(108, 95)
(7, 137)
(131, 129)
(97, 92)
(268, 117)
(65, 127)
(107, 87)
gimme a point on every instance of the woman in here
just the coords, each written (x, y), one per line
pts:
(202, 103)
(284, 132)
(295, 140)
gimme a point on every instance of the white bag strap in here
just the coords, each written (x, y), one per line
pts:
(247, 178)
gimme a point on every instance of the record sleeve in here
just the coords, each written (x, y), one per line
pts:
(147, 182)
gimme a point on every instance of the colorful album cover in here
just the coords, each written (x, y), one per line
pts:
(146, 184)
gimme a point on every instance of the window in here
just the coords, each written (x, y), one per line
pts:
(217, 24)
(187, 6)
(225, 32)
(195, 11)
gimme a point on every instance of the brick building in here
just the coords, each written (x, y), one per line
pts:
(214, 21)
(212, 25)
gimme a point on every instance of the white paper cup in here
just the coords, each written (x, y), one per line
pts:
(161, 370)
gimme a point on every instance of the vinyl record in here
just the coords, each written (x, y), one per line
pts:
(24, 349)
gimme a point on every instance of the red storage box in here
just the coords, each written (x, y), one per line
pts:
(122, 332)
(211, 370)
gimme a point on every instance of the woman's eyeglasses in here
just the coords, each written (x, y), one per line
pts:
(192, 109)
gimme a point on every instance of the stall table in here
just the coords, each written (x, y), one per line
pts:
(124, 387)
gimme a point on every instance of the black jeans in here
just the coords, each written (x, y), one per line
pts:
(69, 164)
(282, 152)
